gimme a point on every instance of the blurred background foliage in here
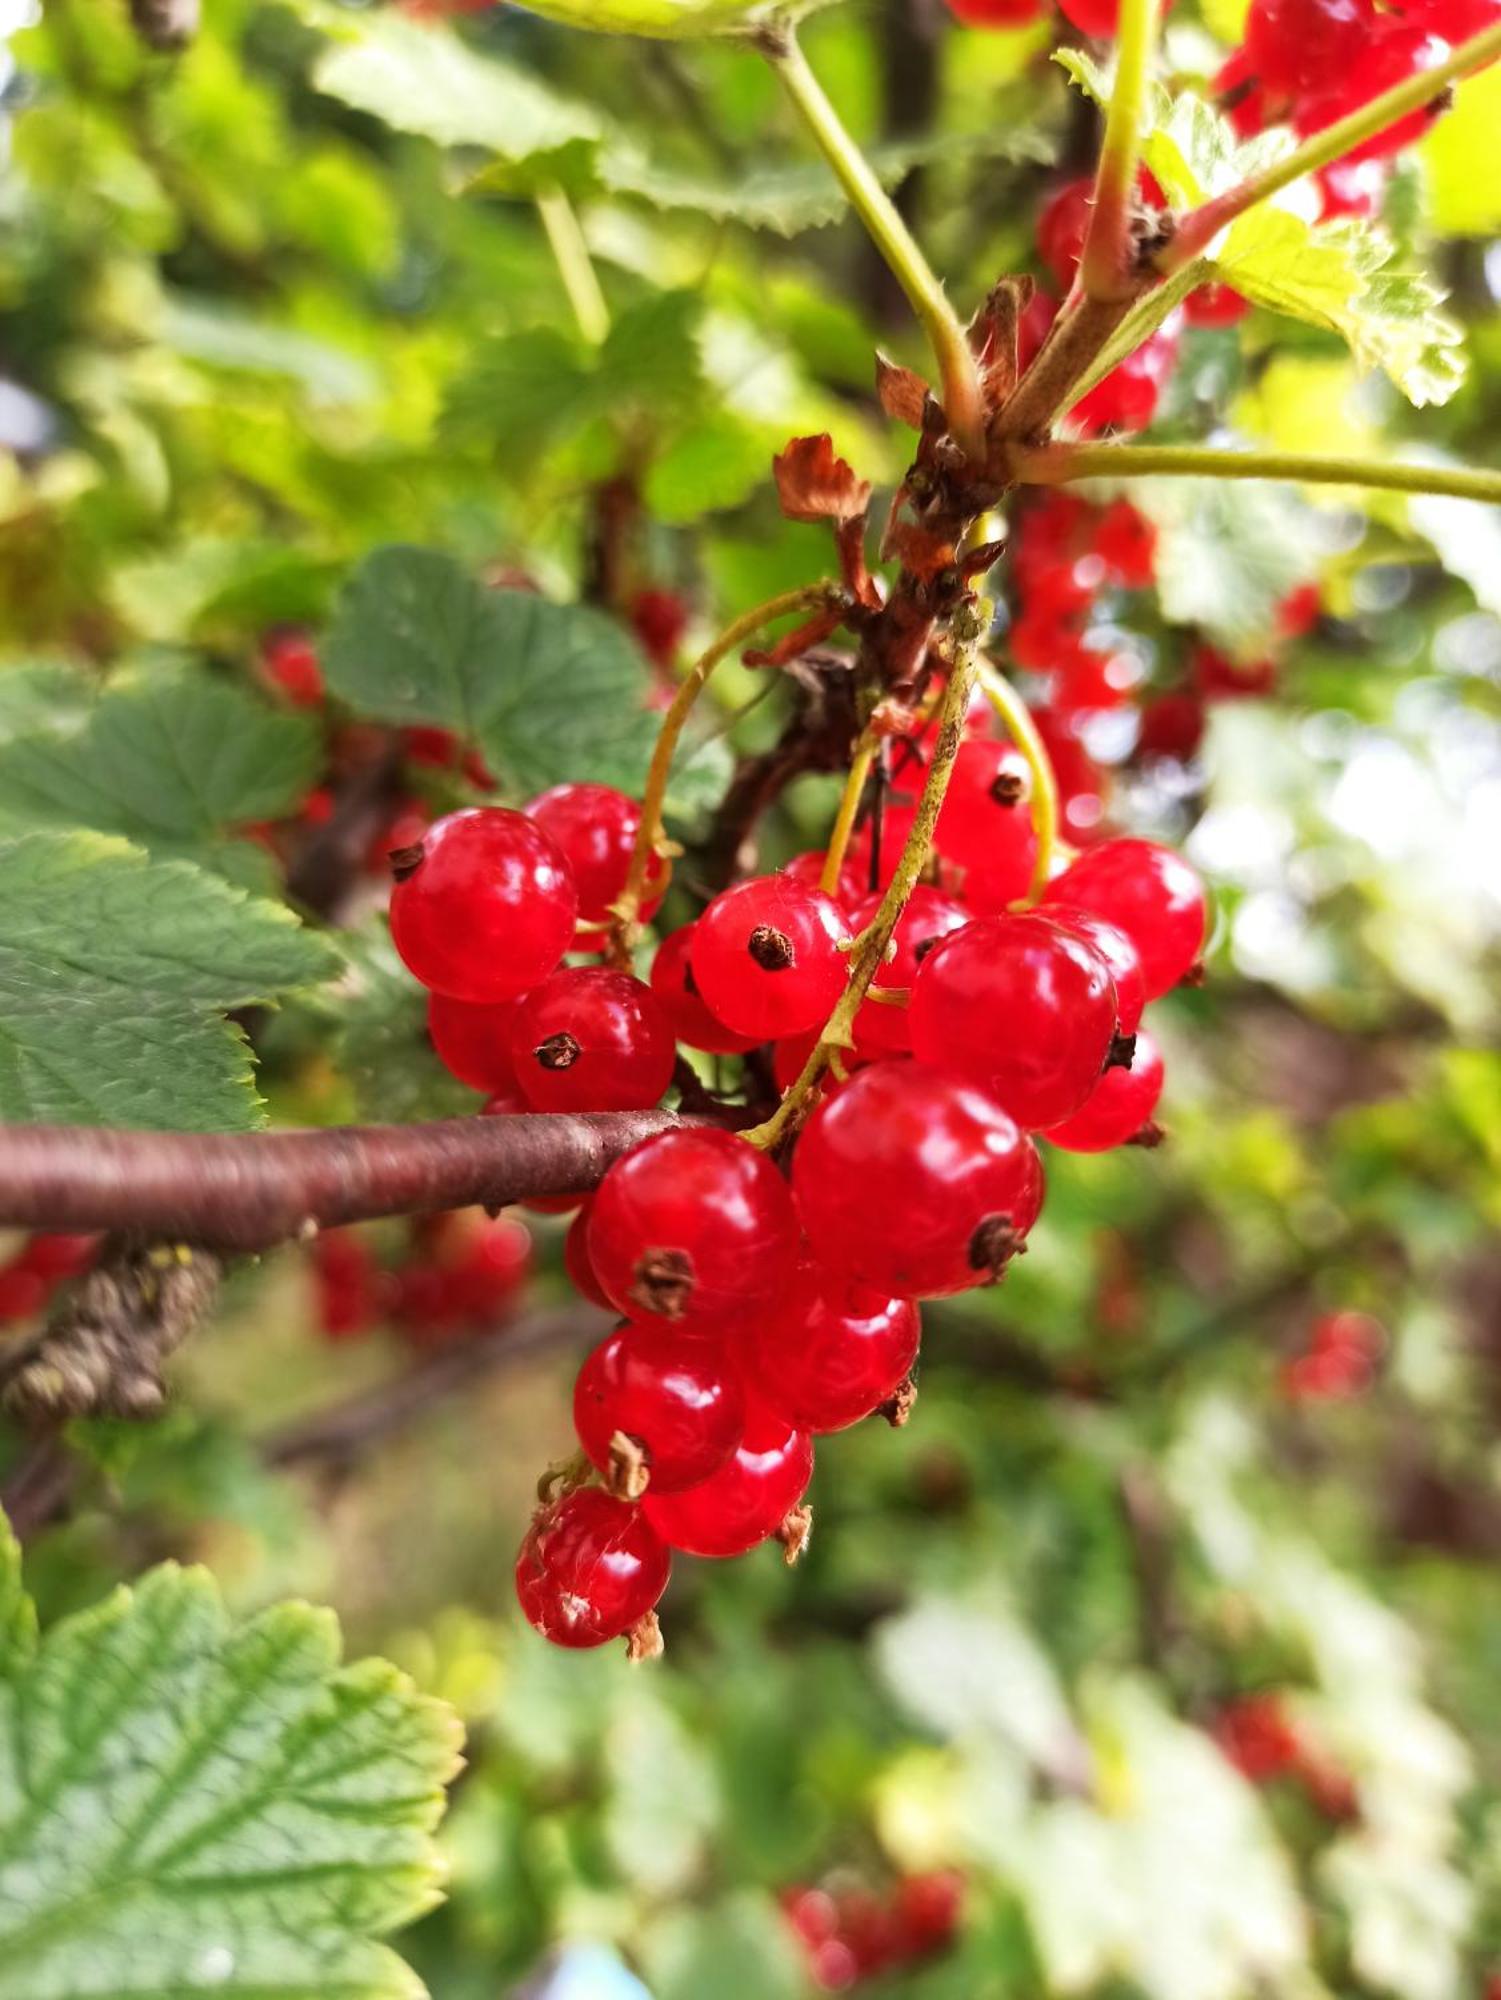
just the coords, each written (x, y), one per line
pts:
(288, 295)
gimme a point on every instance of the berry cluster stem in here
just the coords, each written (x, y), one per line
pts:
(1058, 465)
(1105, 265)
(1017, 717)
(575, 267)
(869, 952)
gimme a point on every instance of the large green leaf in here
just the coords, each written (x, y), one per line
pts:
(190, 1805)
(115, 971)
(42, 694)
(382, 1046)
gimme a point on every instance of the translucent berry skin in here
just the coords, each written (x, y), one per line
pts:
(1061, 228)
(1121, 1103)
(589, 1568)
(473, 1041)
(675, 987)
(995, 13)
(1150, 893)
(765, 957)
(576, 1261)
(746, 1500)
(595, 829)
(487, 907)
(675, 1395)
(1021, 1007)
(1119, 954)
(881, 1030)
(833, 1353)
(591, 1039)
(986, 825)
(693, 1226)
(915, 1183)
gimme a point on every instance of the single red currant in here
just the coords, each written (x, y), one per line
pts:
(473, 1040)
(1120, 955)
(1126, 543)
(590, 1568)
(1215, 305)
(674, 1396)
(290, 662)
(1118, 1107)
(694, 1226)
(1172, 725)
(1062, 226)
(833, 1353)
(746, 1500)
(995, 13)
(348, 1282)
(1150, 893)
(808, 869)
(675, 987)
(1296, 46)
(1099, 18)
(766, 957)
(985, 825)
(576, 1260)
(591, 1039)
(595, 829)
(1127, 398)
(483, 905)
(1022, 1008)
(880, 1028)
(915, 1183)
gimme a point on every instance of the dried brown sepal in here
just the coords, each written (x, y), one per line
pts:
(903, 394)
(644, 1641)
(664, 1282)
(405, 861)
(628, 1473)
(1150, 1136)
(795, 1533)
(559, 1051)
(899, 1405)
(919, 549)
(994, 1243)
(994, 334)
(1008, 788)
(815, 485)
(770, 948)
(1195, 974)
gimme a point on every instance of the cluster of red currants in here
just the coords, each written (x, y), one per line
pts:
(849, 1933)
(757, 1314)
(1341, 1359)
(1264, 1743)
(460, 1273)
(30, 1276)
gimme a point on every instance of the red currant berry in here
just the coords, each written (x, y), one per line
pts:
(1082, 785)
(746, 1500)
(808, 869)
(1127, 398)
(694, 1226)
(881, 1029)
(591, 1039)
(995, 13)
(22, 1292)
(766, 957)
(659, 618)
(348, 1283)
(1150, 893)
(674, 1396)
(675, 987)
(1215, 305)
(1172, 725)
(1296, 46)
(289, 660)
(833, 1353)
(483, 906)
(589, 1569)
(576, 1260)
(1022, 1008)
(56, 1257)
(985, 826)
(914, 1182)
(472, 1041)
(1099, 18)
(595, 829)
(1126, 543)
(1122, 960)
(1062, 226)
(1394, 52)
(1352, 187)
(1118, 1107)
(1299, 611)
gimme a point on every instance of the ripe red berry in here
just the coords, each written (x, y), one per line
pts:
(832, 1353)
(56, 1257)
(881, 1029)
(765, 957)
(1126, 543)
(1021, 1007)
(1150, 893)
(473, 1041)
(808, 869)
(1127, 398)
(576, 1260)
(1082, 785)
(1393, 52)
(1062, 226)
(660, 618)
(746, 1500)
(1295, 46)
(675, 987)
(290, 662)
(1172, 725)
(1120, 955)
(1120, 1104)
(348, 1284)
(675, 1396)
(694, 1226)
(589, 1569)
(1215, 305)
(995, 13)
(595, 829)
(985, 826)
(483, 906)
(914, 1182)
(1099, 18)
(591, 1039)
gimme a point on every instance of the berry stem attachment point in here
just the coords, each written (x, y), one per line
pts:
(1022, 730)
(1105, 267)
(1058, 465)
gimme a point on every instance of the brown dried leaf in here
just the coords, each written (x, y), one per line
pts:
(814, 485)
(919, 549)
(903, 395)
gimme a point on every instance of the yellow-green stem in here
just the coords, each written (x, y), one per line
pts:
(649, 834)
(1105, 265)
(963, 398)
(870, 947)
(844, 819)
(575, 266)
(1022, 730)
(1059, 465)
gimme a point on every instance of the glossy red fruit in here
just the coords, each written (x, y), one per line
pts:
(1127, 399)
(592, 1039)
(675, 987)
(1062, 225)
(660, 618)
(675, 1396)
(985, 826)
(1083, 786)
(914, 1182)
(290, 662)
(1215, 305)
(1118, 1107)
(589, 1569)
(766, 958)
(881, 1029)
(693, 1226)
(832, 1353)
(995, 13)
(1120, 955)
(1099, 18)
(1296, 46)
(1150, 893)
(473, 1041)
(1172, 725)
(484, 905)
(577, 1262)
(1396, 51)
(746, 1500)
(808, 869)
(595, 829)
(1022, 1008)
(1217, 675)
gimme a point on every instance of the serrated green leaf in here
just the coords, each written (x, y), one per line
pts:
(17, 1612)
(115, 971)
(381, 1044)
(1228, 552)
(43, 694)
(187, 1804)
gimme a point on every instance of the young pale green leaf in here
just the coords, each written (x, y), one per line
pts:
(192, 1805)
(1227, 554)
(115, 972)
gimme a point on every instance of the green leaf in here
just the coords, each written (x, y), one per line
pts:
(381, 1044)
(113, 971)
(193, 1805)
(662, 20)
(168, 757)
(1227, 553)
(216, 337)
(43, 694)
(1458, 157)
(17, 1612)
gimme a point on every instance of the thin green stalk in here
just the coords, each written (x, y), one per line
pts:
(963, 398)
(575, 266)
(1105, 267)
(1058, 465)
(1199, 228)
